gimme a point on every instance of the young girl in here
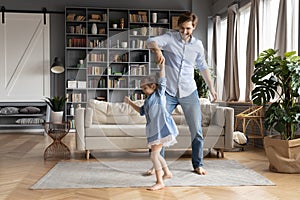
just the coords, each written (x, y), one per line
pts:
(160, 128)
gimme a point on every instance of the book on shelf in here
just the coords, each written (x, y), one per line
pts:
(97, 57)
(137, 96)
(139, 70)
(97, 83)
(122, 82)
(71, 17)
(136, 83)
(81, 84)
(72, 84)
(102, 83)
(76, 42)
(141, 16)
(78, 97)
(97, 43)
(175, 22)
(80, 18)
(138, 44)
(95, 70)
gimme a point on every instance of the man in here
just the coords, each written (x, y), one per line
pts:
(181, 53)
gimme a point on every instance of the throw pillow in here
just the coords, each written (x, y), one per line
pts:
(30, 110)
(30, 121)
(9, 110)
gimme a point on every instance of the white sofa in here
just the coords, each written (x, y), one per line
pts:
(117, 126)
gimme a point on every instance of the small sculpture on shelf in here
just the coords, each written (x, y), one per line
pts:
(122, 23)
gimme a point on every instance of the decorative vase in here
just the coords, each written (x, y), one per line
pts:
(154, 17)
(143, 31)
(94, 29)
(283, 155)
(57, 116)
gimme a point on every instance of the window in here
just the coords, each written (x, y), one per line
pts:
(268, 15)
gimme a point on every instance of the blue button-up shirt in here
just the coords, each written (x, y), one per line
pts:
(180, 59)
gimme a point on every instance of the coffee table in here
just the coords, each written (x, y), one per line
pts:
(57, 149)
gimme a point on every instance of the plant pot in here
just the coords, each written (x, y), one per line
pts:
(283, 155)
(56, 117)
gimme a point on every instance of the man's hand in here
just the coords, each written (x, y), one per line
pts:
(159, 58)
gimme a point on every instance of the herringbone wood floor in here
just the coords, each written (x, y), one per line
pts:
(22, 164)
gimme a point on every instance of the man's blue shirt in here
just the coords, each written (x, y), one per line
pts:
(180, 59)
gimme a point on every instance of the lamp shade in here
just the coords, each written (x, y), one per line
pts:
(57, 67)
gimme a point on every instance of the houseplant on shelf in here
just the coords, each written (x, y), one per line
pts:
(277, 86)
(57, 105)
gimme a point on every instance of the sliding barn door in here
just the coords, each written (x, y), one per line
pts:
(24, 57)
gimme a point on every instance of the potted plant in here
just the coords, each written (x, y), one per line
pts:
(277, 87)
(57, 105)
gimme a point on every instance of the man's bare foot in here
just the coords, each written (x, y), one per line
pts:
(167, 176)
(157, 186)
(200, 171)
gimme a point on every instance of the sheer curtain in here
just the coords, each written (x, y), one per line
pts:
(216, 50)
(221, 56)
(268, 14)
(292, 25)
(216, 36)
(252, 44)
(231, 91)
(243, 53)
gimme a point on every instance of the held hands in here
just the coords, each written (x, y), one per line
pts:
(160, 59)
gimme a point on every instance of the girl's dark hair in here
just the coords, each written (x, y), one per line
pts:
(188, 17)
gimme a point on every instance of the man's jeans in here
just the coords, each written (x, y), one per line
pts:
(192, 112)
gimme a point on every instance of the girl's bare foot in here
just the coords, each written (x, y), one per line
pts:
(157, 186)
(167, 176)
(150, 172)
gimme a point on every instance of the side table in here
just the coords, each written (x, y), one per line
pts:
(57, 149)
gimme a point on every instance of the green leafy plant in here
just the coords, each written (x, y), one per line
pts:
(56, 103)
(277, 84)
(203, 90)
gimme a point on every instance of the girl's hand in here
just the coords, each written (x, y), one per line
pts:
(127, 99)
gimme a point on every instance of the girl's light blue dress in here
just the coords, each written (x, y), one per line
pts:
(160, 127)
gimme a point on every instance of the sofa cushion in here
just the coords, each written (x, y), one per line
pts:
(115, 113)
(208, 110)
